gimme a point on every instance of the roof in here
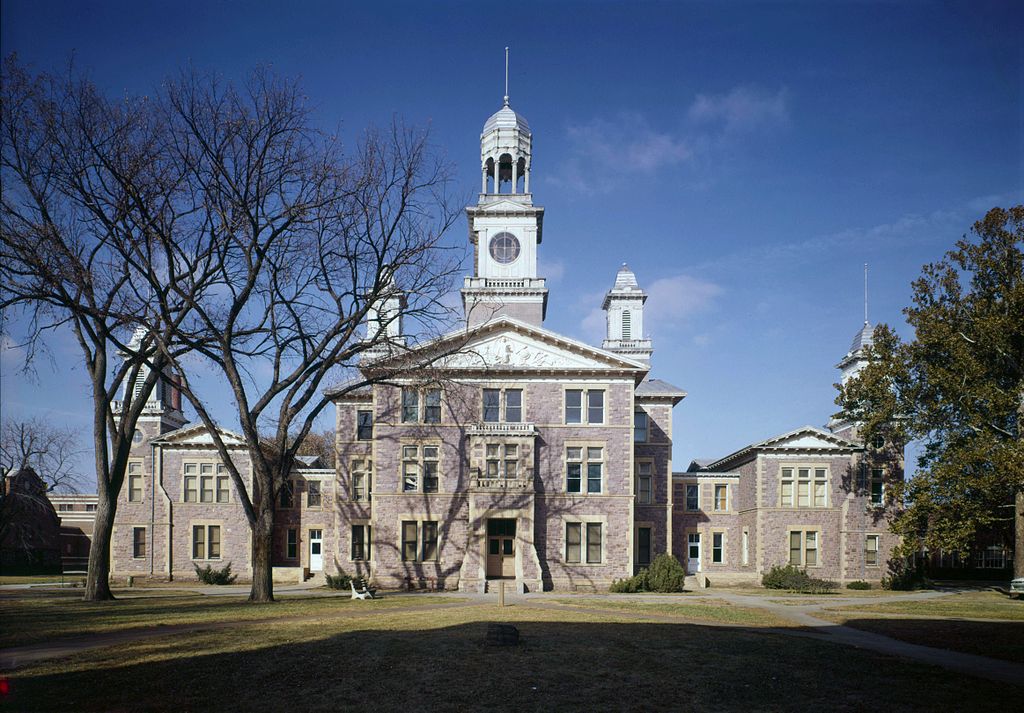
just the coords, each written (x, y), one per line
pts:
(505, 118)
(865, 337)
(345, 387)
(656, 388)
(198, 435)
(625, 279)
(803, 438)
(699, 464)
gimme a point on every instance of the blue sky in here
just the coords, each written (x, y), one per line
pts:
(746, 160)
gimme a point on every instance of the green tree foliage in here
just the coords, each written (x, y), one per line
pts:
(957, 388)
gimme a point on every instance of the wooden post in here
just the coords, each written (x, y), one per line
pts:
(501, 594)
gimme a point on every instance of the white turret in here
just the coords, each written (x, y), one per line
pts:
(624, 307)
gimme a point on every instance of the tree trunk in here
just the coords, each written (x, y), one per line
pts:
(1018, 526)
(97, 579)
(262, 548)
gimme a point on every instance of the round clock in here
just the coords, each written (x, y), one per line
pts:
(504, 248)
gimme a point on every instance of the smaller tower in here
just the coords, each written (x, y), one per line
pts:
(384, 318)
(162, 412)
(624, 307)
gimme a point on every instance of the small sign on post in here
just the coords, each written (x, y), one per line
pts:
(501, 594)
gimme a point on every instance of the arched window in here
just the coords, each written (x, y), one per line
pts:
(626, 324)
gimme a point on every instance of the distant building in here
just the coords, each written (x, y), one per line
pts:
(77, 515)
(29, 528)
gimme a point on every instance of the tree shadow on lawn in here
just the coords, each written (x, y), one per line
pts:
(998, 640)
(557, 666)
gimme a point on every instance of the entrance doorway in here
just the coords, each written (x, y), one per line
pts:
(693, 553)
(316, 551)
(501, 549)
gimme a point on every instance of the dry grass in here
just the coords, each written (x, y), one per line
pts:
(698, 610)
(568, 659)
(966, 605)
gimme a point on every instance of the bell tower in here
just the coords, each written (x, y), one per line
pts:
(505, 226)
(162, 412)
(624, 307)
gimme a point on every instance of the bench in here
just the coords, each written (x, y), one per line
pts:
(363, 591)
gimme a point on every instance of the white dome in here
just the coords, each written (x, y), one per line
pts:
(505, 118)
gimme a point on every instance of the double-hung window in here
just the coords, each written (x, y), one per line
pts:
(362, 483)
(411, 405)
(717, 547)
(291, 545)
(584, 462)
(641, 425)
(138, 542)
(223, 484)
(871, 550)
(360, 542)
(692, 497)
(803, 487)
(364, 425)
(314, 495)
(205, 542)
(502, 460)
(417, 461)
(576, 549)
(721, 497)
(503, 405)
(803, 548)
(644, 482)
(584, 401)
(877, 487)
(415, 534)
(135, 481)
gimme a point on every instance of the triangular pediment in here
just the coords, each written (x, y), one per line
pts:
(198, 435)
(502, 206)
(808, 438)
(507, 344)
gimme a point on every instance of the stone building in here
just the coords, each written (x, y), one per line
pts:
(817, 498)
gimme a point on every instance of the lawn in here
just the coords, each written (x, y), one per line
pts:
(38, 578)
(700, 610)
(411, 658)
(966, 605)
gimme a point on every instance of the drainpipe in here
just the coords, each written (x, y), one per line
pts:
(152, 506)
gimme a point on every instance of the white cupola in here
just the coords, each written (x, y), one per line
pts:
(624, 310)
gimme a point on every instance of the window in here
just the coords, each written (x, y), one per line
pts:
(364, 425)
(291, 547)
(410, 405)
(135, 482)
(803, 548)
(644, 482)
(877, 487)
(90, 507)
(138, 542)
(360, 542)
(411, 540)
(191, 483)
(287, 495)
(430, 477)
(65, 507)
(205, 542)
(574, 406)
(595, 407)
(721, 497)
(871, 550)
(429, 553)
(492, 405)
(573, 539)
(502, 460)
(314, 497)
(991, 557)
(626, 324)
(580, 460)
(693, 497)
(432, 407)
(223, 484)
(804, 487)
(361, 480)
(206, 482)
(746, 546)
(643, 545)
(593, 543)
(718, 547)
(640, 424)
(513, 405)
(574, 550)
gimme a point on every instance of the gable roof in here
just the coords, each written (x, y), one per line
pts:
(198, 435)
(658, 389)
(805, 438)
(507, 344)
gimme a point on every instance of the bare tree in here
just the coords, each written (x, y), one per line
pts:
(311, 244)
(49, 450)
(96, 224)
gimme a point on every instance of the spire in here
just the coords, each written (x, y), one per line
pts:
(865, 293)
(506, 76)
(624, 309)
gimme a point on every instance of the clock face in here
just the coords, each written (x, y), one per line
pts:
(504, 248)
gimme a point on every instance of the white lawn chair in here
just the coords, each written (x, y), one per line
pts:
(364, 593)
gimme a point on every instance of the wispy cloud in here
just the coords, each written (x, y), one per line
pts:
(607, 151)
(553, 270)
(743, 108)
